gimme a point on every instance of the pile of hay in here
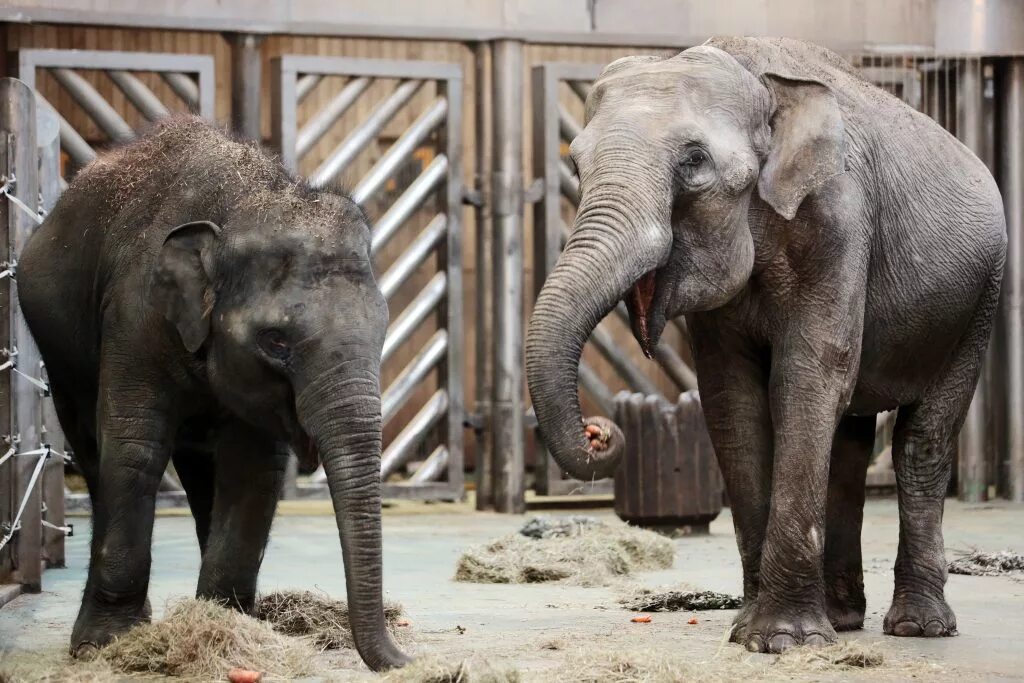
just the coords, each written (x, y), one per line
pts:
(325, 621)
(647, 600)
(977, 563)
(437, 670)
(585, 554)
(202, 639)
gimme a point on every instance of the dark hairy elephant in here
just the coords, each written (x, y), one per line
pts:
(836, 254)
(192, 301)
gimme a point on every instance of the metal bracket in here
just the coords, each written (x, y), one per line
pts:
(475, 421)
(473, 197)
(535, 192)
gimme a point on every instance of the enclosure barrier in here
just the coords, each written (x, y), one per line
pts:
(439, 124)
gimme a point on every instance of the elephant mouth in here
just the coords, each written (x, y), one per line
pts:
(306, 452)
(646, 318)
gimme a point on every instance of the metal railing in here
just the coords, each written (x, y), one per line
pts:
(433, 436)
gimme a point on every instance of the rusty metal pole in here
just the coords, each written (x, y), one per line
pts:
(972, 473)
(1011, 180)
(246, 83)
(507, 231)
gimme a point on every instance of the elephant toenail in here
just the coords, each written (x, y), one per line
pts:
(907, 629)
(934, 629)
(781, 642)
(816, 640)
(85, 652)
(755, 644)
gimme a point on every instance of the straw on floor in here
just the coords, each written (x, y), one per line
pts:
(317, 616)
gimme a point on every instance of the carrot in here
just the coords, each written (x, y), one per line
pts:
(641, 620)
(403, 622)
(692, 621)
(240, 675)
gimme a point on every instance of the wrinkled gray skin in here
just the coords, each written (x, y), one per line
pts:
(188, 297)
(836, 254)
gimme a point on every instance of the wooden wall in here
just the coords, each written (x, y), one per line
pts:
(79, 37)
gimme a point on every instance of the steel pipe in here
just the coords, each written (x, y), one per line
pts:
(623, 366)
(184, 87)
(359, 138)
(507, 229)
(414, 314)
(567, 125)
(401, 150)
(411, 200)
(1011, 176)
(321, 122)
(568, 183)
(98, 109)
(406, 264)
(581, 88)
(141, 97)
(403, 446)
(70, 141)
(246, 83)
(597, 389)
(398, 392)
(972, 463)
(432, 468)
(305, 86)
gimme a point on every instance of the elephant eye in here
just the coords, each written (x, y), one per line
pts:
(274, 344)
(694, 157)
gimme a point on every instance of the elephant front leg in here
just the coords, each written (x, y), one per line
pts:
(134, 447)
(734, 398)
(249, 475)
(808, 393)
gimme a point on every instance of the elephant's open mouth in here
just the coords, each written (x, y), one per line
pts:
(307, 452)
(645, 319)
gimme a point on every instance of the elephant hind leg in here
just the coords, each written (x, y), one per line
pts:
(923, 446)
(844, 575)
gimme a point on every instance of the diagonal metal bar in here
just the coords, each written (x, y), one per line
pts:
(98, 109)
(417, 311)
(70, 141)
(406, 264)
(567, 125)
(183, 86)
(139, 95)
(403, 446)
(321, 122)
(398, 392)
(597, 389)
(623, 366)
(350, 147)
(403, 148)
(305, 85)
(432, 468)
(568, 183)
(409, 202)
(581, 88)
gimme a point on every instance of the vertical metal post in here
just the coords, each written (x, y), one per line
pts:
(48, 140)
(1011, 181)
(972, 475)
(507, 221)
(246, 83)
(20, 159)
(484, 470)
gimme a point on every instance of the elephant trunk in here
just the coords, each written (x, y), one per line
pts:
(339, 408)
(621, 235)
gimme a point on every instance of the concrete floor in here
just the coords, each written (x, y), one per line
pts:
(509, 625)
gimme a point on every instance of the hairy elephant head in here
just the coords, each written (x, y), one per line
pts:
(670, 154)
(279, 308)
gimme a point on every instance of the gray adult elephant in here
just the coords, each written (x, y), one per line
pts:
(188, 296)
(836, 254)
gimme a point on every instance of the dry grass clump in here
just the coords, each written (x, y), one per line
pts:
(977, 563)
(654, 666)
(199, 638)
(590, 555)
(62, 670)
(325, 621)
(437, 670)
(647, 600)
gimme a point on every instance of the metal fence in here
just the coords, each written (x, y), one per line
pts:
(416, 208)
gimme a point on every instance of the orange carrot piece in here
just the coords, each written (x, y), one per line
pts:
(240, 675)
(641, 620)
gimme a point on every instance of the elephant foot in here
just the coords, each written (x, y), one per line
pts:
(919, 616)
(760, 629)
(845, 604)
(99, 623)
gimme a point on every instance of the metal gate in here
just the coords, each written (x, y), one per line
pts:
(413, 188)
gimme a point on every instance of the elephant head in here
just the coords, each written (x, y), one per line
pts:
(280, 311)
(668, 159)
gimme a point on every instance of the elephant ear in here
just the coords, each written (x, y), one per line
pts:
(808, 143)
(181, 287)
